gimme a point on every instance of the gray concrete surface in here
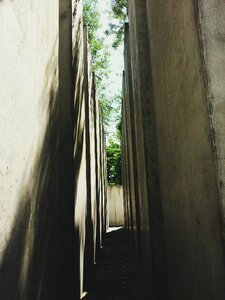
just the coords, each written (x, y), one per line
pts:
(43, 152)
(28, 152)
(115, 205)
(151, 239)
(129, 125)
(178, 91)
(211, 23)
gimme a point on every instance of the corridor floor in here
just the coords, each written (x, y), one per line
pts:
(116, 276)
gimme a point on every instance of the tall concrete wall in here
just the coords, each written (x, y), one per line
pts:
(115, 205)
(176, 74)
(51, 189)
(211, 25)
(28, 149)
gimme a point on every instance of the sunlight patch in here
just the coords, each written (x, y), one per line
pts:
(111, 229)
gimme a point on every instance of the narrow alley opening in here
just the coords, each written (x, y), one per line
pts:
(112, 147)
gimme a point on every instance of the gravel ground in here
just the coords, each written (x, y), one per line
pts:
(116, 276)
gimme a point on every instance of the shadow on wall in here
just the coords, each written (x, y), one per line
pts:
(82, 224)
(28, 268)
(79, 139)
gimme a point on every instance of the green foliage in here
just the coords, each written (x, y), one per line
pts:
(110, 107)
(119, 16)
(113, 149)
(112, 113)
(100, 56)
(114, 162)
(91, 17)
(99, 51)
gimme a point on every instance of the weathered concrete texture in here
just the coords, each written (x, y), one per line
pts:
(177, 66)
(67, 243)
(130, 191)
(89, 154)
(47, 180)
(211, 23)
(140, 111)
(28, 149)
(115, 205)
(80, 164)
(125, 171)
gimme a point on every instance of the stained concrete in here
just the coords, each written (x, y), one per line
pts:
(177, 66)
(129, 126)
(44, 165)
(211, 25)
(151, 238)
(28, 151)
(186, 162)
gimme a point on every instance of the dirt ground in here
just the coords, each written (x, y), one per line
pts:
(116, 275)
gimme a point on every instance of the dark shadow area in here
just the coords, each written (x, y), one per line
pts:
(97, 170)
(79, 137)
(78, 112)
(116, 275)
(89, 228)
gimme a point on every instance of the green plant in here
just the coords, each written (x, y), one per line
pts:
(99, 51)
(114, 162)
(110, 106)
(119, 15)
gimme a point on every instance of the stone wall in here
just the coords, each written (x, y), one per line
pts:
(173, 106)
(49, 196)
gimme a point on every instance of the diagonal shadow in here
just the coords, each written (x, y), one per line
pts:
(28, 268)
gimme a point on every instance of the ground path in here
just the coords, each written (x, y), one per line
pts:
(116, 276)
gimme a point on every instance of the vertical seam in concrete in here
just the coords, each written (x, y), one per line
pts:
(95, 103)
(89, 251)
(127, 177)
(130, 99)
(152, 170)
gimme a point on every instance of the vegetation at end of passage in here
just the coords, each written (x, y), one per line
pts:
(110, 107)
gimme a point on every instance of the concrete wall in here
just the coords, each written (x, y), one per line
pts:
(211, 18)
(28, 148)
(45, 170)
(176, 74)
(150, 241)
(115, 205)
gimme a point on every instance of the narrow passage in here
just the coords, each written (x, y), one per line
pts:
(116, 275)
